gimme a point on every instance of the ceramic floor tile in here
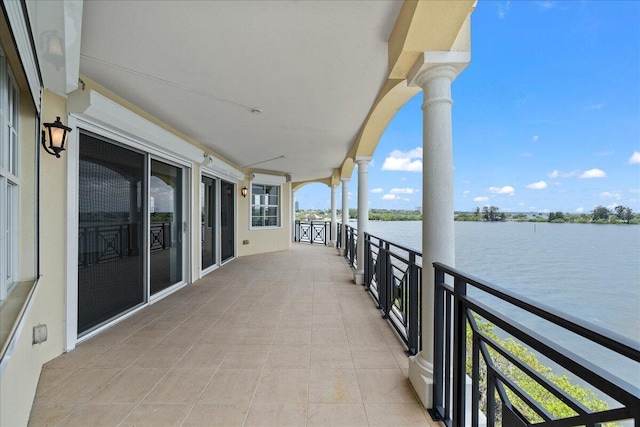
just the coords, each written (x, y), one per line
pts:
(232, 387)
(180, 386)
(264, 340)
(268, 414)
(157, 415)
(207, 415)
(336, 415)
(384, 386)
(49, 415)
(334, 386)
(130, 386)
(79, 387)
(283, 386)
(395, 414)
(95, 415)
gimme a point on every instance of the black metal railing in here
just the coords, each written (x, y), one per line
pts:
(393, 276)
(102, 243)
(505, 388)
(312, 232)
(351, 246)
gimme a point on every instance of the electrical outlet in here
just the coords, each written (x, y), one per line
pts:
(245, 242)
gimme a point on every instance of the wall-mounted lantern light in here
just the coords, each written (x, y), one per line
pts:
(244, 191)
(57, 133)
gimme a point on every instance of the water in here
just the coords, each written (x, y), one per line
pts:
(589, 271)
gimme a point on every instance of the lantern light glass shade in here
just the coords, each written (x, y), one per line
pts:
(244, 191)
(57, 135)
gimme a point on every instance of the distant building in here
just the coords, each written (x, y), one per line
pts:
(297, 206)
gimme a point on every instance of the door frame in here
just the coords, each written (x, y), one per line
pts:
(150, 150)
(219, 177)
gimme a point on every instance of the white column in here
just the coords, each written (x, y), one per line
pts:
(334, 217)
(434, 75)
(345, 215)
(363, 214)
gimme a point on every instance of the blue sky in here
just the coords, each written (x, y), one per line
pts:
(545, 118)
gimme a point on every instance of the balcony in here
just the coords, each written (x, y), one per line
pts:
(280, 339)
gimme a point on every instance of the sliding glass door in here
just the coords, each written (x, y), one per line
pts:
(131, 229)
(227, 220)
(165, 226)
(208, 222)
(217, 216)
(111, 258)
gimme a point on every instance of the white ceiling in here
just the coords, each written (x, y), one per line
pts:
(313, 67)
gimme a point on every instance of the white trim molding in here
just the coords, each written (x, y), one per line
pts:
(262, 178)
(20, 31)
(97, 108)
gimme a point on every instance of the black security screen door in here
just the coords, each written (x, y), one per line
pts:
(111, 229)
(208, 221)
(227, 220)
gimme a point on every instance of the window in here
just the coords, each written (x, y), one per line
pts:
(265, 205)
(9, 183)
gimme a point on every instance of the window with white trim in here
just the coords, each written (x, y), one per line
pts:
(265, 205)
(9, 182)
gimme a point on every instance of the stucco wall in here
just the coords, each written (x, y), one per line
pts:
(20, 379)
(268, 240)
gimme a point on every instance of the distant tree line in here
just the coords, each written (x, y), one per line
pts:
(600, 215)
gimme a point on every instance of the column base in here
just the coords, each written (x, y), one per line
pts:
(421, 378)
(358, 277)
(331, 244)
(342, 251)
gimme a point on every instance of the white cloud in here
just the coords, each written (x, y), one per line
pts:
(593, 173)
(534, 138)
(540, 185)
(503, 8)
(546, 5)
(611, 195)
(557, 174)
(377, 190)
(466, 192)
(525, 154)
(507, 189)
(480, 199)
(397, 160)
(402, 191)
(634, 190)
(389, 197)
(580, 210)
(604, 153)
(521, 204)
(593, 107)
(635, 158)
(406, 199)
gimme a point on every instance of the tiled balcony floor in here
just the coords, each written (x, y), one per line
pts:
(275, 339)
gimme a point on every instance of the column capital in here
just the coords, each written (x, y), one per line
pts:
(363, 159)
(345, 181)
(431, 65)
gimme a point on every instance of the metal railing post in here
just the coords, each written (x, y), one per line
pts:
(459, 352)
(413, 322)
(438, 347)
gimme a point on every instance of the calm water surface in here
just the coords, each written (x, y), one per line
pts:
(589, 271)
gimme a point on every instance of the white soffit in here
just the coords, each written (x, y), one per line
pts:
(314, 68)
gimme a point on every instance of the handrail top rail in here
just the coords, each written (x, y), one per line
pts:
(597, 334)
(404, 248)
